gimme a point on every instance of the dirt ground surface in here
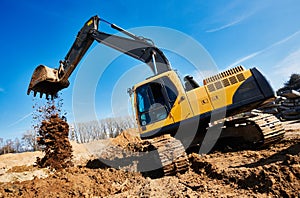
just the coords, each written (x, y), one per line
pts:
(268, 172)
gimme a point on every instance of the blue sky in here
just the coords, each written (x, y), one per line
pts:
(264, 34)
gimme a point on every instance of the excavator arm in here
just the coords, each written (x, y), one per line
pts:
(50, 81)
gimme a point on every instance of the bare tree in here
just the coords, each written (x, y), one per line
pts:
(17, 145)
(30, 140)
(8, 147)
(1, 142)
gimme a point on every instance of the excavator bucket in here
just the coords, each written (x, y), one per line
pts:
(45, 80)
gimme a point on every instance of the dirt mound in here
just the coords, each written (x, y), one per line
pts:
(74, 182)
(129, 136)
(277, 174)
(55, 143)
(122, 152)
(268, 172)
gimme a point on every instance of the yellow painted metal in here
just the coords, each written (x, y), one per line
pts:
(89, 22)
(199, 100)
(224, 96)
(181, 109)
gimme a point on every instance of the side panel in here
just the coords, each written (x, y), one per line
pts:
(223, 90)
(199, 100)
(252, 93)
(217, 94)
(181, 109)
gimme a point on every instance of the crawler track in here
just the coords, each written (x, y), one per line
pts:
(257, 128)
(172, 154)
(270, 128)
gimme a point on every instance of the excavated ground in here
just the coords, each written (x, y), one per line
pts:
(268, 172)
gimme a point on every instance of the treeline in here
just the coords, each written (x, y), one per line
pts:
(81, 133)
(26, 143)
(96, 130)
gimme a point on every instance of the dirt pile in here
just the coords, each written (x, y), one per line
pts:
(55, 143)
(273, 172)
(121, 152)
(74, 182)
(127, 137)
(268, 172)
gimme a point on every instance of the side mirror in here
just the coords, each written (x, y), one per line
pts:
(130, 91)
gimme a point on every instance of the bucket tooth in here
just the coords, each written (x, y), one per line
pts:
(47, 96)
(45, 80)
(41, 94)
(34, 93)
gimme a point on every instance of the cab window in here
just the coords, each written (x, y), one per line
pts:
(155, 100)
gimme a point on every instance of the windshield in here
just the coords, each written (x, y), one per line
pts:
(155, 99)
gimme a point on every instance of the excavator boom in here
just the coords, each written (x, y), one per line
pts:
(50, 81)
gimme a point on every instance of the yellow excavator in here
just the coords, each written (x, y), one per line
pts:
(172, 115)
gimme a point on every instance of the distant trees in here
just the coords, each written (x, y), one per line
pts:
(81, 133)
(10, 146)
(30, 140)
(95, 130)
(27, 143)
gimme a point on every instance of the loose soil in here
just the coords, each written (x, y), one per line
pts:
(268, 172)
(53, 138)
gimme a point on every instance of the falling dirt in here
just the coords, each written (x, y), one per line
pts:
(268, 172)
(53, 138)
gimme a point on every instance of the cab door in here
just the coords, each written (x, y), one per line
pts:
(180, 108)
(152, 106)
(160, 103)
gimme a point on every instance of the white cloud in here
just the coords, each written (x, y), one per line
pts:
(235, 14)
(20, 120)
(290, 64)
(239, 61)
(226, 25)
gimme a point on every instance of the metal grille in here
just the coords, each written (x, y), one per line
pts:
(223, 74)
(211, 87)
(233, 80)
(240, 77)
(218, 85)
(225, 82)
